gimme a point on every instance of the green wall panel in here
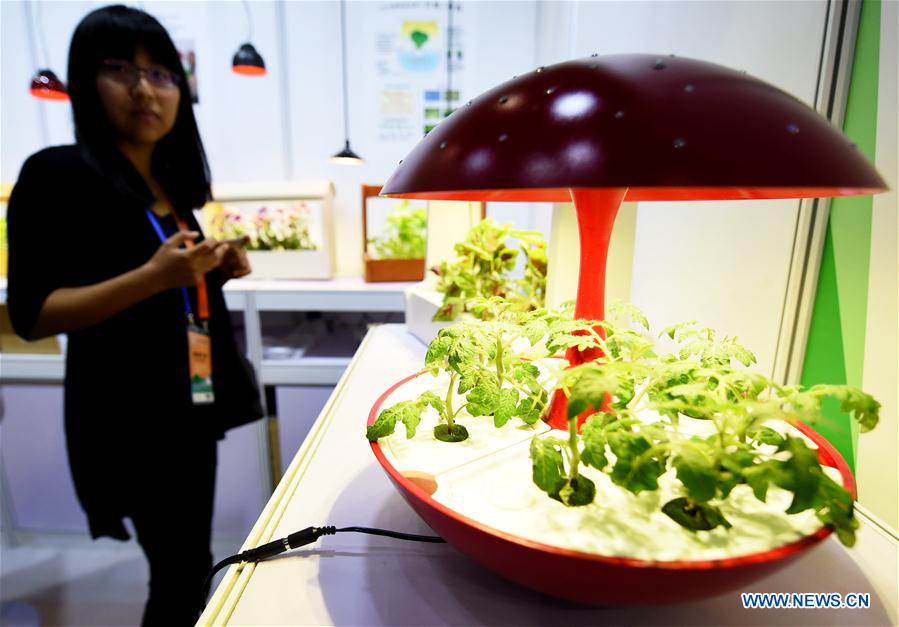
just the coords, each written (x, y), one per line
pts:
(836, 343)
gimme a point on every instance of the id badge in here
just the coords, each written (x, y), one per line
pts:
(199, 347)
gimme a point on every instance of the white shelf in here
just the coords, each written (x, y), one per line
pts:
(341, 294)
(304, 371)
(25, 368)
(252, 296)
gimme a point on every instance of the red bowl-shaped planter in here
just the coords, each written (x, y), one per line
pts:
(591, 578)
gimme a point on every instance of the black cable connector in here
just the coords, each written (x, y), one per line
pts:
(302, 538)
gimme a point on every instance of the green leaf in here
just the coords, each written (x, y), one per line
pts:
(383, 425)
(760, 476)
(437, 350)
(505, 407)
(863, 408)
(482, 400)
(801, 474)
(594, 439)
(524, 371)
(694, 516)
(470, 376)
(548, 469)
(636, 469)
(835, 508)
(767, 435)
(676, 329)
(589, 389)
(628, 312)
(696, 469)
(411, 417)
(536, 331)
(429, 398)
(530, 410)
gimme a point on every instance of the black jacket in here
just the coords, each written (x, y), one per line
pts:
(127, 388)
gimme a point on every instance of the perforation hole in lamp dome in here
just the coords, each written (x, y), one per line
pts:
(635, 127)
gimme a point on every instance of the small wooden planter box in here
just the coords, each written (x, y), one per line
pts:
(380, 270)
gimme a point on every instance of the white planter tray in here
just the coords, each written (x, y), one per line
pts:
(291, 264)
(488, 479)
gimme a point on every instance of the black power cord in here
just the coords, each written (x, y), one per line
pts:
(302, 538)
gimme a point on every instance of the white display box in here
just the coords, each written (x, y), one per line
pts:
(422, 302)
(291, 264)
(448, 223)
(307, 208)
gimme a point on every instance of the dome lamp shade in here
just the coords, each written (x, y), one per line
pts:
(248, 61)
(47, 86)
(347, 156)
(635, 127)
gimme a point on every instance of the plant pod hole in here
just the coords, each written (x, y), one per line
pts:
(443, 433)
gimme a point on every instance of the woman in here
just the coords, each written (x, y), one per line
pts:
(103, 246)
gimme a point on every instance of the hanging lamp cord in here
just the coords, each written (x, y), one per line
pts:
(40, 34)
(346, 107)
(246, 6)
(449, 60)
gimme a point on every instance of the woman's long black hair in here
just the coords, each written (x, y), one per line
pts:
(179, 160)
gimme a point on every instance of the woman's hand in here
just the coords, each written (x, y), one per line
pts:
(235, 263)
(173, 267)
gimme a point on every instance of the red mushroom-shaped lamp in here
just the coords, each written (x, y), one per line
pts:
(634, 127)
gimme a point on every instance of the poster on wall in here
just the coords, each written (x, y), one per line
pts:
(187, 50)
(412, 87)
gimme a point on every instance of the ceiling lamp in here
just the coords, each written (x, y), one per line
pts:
(44, 84)
(346, 156)
(247, 60)
(47, 86)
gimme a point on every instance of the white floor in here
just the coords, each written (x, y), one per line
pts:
(71, 580)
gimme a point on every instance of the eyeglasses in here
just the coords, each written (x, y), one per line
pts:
(129, 74)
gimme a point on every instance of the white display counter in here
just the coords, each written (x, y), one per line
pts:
(350, 579)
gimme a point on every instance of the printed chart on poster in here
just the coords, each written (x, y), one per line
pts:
(413, 87)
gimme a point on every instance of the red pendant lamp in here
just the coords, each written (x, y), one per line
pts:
(247, 60)
(47, 86)
(44, 84)
(636, 127)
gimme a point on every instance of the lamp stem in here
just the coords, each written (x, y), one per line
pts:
(346, 107)
(596, 210)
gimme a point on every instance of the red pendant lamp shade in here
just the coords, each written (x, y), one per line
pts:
(635, 127)
(47, 86)
(665, 128)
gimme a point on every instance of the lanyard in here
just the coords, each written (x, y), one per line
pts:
(202, 297)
